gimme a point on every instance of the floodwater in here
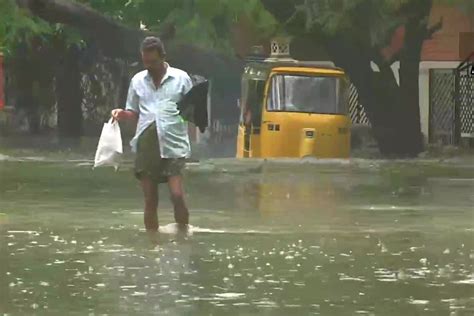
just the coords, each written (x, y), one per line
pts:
(282, 238)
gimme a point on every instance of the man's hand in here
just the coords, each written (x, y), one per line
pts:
(117, 114)
(120, 115)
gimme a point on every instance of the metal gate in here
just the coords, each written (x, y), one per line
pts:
(356, 109)
(442, 106)
(464, 98)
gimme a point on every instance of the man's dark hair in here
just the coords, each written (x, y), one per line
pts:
(151, 43)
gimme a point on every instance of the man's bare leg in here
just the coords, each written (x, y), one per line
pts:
(181, 213)
(150, 192)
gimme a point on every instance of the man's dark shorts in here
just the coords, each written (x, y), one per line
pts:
(148, 161)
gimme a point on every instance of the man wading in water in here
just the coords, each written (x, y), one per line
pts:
(161, 142)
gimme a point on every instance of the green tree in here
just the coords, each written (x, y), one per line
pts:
(16, 25)
(205, 23)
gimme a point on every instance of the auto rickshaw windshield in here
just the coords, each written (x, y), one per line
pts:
(307, 94)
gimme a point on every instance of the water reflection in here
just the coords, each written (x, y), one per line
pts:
(4, 266)
(279, 240)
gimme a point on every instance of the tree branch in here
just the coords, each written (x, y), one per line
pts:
(282, 10)
(434, 28)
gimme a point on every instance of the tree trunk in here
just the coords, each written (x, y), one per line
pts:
(409, 108)
(69, 96)
(24, 70)
(416, 31)
(392, 110)
(396, 124)
(409, 90)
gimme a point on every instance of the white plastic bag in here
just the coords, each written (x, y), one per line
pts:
(109, 149)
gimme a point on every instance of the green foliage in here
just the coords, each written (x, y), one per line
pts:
(371, 22)
(368, 21)
(205, 23)
(69, 35)
(16, 25)
(208, 23)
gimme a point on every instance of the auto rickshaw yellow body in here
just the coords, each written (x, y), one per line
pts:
(293, 109)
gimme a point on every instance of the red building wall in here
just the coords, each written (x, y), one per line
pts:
(453, 42)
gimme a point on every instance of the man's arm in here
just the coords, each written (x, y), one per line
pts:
(131, 108)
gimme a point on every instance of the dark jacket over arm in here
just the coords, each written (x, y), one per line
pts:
(193, 106)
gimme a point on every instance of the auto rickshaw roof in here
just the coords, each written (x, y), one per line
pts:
(262, 68)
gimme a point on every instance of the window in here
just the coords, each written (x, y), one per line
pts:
(251, 103)
(308, 94)
(243, 98)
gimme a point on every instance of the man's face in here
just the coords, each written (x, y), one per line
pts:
(151, 59)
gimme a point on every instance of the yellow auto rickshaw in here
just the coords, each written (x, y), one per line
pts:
(293, 109)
